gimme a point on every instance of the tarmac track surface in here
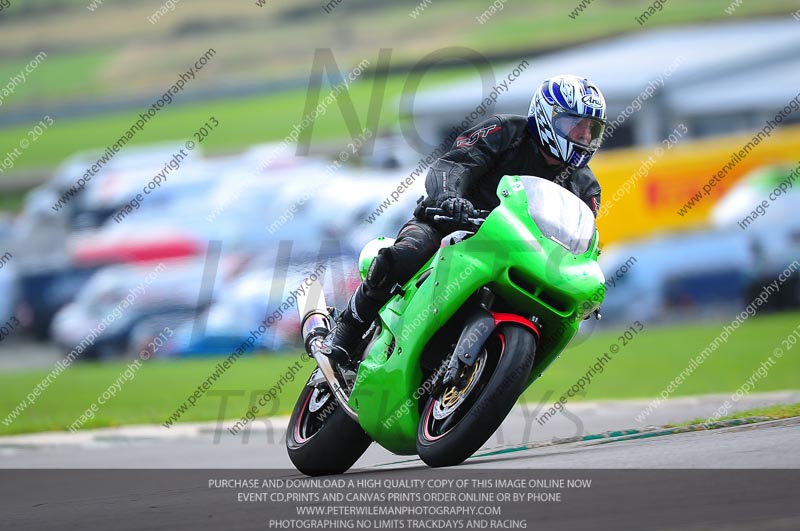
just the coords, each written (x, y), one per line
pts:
(262, 444)
(668, 499)
(737, 478)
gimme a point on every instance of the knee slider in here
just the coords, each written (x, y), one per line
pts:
(379, 276)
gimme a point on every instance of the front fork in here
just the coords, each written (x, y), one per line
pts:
(479, 326)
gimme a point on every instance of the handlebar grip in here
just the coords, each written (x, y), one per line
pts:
(434, 211)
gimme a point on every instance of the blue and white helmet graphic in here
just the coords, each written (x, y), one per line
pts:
(567, 117)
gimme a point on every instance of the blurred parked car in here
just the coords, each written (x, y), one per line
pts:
(171, 294)
(255, 295)
(746, 196)
(295, 209)
(668, 268)
(47, 273)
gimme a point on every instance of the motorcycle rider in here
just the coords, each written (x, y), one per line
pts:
(563, 129)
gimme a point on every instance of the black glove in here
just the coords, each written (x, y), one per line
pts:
(459, 209)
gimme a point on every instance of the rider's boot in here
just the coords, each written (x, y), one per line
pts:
(342, 341)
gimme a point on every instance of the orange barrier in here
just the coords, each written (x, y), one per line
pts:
(643, 192)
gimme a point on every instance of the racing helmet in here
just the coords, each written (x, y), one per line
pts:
(567, 117)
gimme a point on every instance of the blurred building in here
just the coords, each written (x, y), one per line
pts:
(716, 79)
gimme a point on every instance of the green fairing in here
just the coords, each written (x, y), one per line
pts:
(547, 280)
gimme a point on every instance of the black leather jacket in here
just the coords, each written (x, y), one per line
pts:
(481, 156)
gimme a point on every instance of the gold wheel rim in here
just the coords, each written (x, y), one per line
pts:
(452, 394)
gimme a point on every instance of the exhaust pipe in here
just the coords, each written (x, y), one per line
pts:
(316, 323)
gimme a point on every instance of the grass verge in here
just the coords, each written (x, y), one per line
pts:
(242, 121)
(642, 369)
(782, 411)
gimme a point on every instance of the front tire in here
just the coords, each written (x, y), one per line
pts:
(467, 420)
(321, 439)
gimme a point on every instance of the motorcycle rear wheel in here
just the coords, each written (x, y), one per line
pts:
(467, 417)
(324, 440)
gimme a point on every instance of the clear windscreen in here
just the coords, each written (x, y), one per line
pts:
(559, 214)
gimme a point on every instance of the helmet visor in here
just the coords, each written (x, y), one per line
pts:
(582, 130)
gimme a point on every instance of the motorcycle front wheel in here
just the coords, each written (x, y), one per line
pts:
(321, 439)
(457, 421)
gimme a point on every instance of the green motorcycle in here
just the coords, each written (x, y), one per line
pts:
(454, 348)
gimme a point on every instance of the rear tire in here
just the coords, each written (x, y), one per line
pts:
(325, 441)
(508, 356)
